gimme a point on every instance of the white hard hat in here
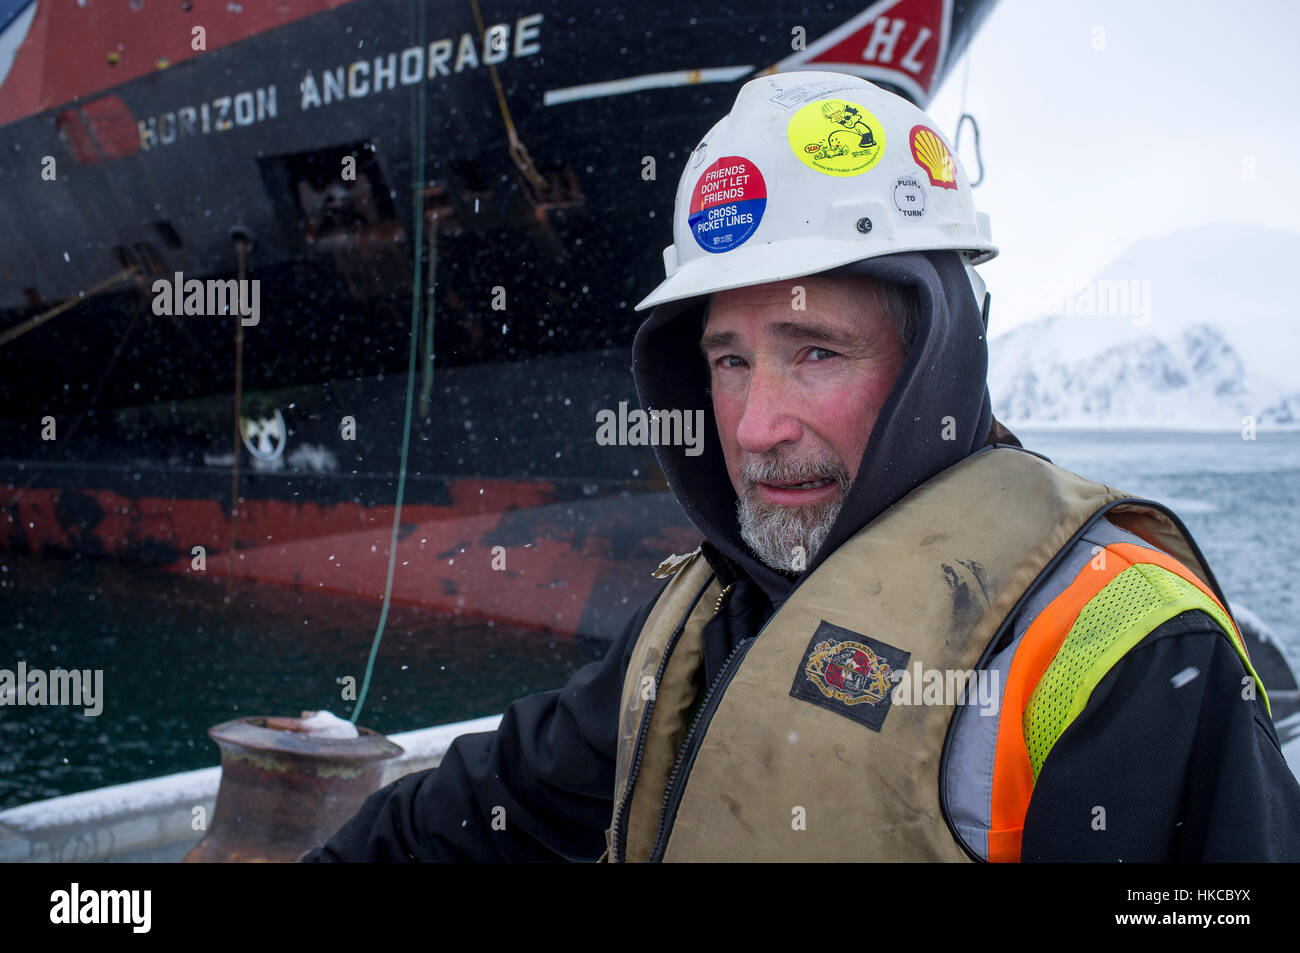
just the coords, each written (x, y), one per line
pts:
(810, 171)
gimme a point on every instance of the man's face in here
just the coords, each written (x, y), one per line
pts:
(795, 395)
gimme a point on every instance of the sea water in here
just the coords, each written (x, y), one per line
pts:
(177, 658)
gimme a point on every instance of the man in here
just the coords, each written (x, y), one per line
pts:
(902, 638)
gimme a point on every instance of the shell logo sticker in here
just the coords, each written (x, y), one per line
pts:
(727, 204)
(933, 156)
(836, 137)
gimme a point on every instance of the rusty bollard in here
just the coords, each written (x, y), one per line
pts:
(286, 786)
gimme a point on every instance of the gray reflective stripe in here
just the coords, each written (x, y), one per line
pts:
(968, 781)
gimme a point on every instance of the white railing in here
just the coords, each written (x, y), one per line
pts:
(153, 820)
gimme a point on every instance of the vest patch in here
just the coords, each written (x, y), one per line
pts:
(850, 674)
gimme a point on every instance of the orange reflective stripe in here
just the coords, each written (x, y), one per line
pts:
(1013, 777)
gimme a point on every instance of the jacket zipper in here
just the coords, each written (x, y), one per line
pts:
(686, 757)
(620, 834)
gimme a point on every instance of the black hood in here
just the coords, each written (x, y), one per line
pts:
(944, 375)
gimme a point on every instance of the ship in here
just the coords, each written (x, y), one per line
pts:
(243, 238)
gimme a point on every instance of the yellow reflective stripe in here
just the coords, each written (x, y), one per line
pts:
(1122, 614)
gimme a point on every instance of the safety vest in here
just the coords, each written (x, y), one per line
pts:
(901, 702)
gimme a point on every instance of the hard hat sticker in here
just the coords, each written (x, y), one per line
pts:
(804, 93)
(909, 197)
(932, 155)
(837, 137)
(727, 204)
(700, 152)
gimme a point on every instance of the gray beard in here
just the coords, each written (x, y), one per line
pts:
(786, 537)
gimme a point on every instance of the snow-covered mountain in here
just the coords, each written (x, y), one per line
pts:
(1196, 330)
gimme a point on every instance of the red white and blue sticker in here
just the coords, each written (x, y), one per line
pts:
(727, 204)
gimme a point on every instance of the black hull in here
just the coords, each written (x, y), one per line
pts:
(571, 257)
(522, 273)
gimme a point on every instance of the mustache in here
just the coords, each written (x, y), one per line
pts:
(793, 471)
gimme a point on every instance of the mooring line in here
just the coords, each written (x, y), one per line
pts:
(417, 192)
(241, 251)
(19, 330)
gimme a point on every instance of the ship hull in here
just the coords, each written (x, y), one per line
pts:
(145, 424)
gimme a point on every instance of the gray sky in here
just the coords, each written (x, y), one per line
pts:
(1106, 122)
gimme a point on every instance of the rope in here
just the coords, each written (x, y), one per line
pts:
(426, 344)
(956, 145)
(979, 158)
(32, 324)
(241, 247)
(965, 77)
(417, 193)
(518, 152)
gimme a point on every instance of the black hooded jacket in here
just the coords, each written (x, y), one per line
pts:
(1192, 775)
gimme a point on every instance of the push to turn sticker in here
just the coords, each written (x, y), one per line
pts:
(837, 137)
(727, 204)
(909, 197)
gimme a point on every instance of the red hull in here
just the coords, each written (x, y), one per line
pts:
(99, 47)
(445, 554)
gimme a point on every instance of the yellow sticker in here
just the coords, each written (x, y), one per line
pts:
(837, 137)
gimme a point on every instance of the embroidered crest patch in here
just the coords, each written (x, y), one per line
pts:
(849, 674)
